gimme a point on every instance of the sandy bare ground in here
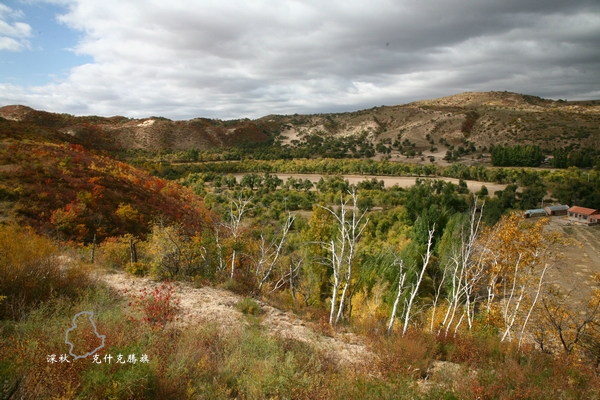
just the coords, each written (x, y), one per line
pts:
(579, 260)
(207, 304)
(389, 181)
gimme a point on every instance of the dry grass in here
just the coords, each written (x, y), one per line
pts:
(31, 272)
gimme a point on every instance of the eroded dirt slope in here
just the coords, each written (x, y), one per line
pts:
(218, 306)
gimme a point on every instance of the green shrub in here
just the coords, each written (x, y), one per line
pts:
(249, 307)
(138, 268)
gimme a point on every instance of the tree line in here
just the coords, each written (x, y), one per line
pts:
(517, 156)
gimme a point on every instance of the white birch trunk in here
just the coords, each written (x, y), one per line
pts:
(401, 278)
(415, 289)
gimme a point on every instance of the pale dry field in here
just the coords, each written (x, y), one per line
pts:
(389, 181)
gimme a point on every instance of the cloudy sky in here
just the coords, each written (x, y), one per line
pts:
(249, 58)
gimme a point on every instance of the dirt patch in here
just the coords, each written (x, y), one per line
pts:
(218, 306)
(579, 260)
(208, 304)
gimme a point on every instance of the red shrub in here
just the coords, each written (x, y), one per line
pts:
(158, 306)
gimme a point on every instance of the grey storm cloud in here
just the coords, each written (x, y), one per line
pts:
(232, 59)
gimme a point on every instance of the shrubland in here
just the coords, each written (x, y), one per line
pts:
(203, 361)
(70, 193)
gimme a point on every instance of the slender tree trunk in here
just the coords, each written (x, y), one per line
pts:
(537, 295)
(274, 255)
(93, 249)
(343, 297)
(132, 252)
(401, 278)
(351, 296)
(415, 289)
(232, 263)
(292, 291)
(220, 267)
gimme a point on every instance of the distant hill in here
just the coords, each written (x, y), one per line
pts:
(482, 118)
(154, 133)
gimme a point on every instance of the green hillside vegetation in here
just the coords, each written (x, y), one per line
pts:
(526, 189)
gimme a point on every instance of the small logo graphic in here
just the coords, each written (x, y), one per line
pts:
(90, 315)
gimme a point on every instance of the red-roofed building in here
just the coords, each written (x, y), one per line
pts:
(585, 215)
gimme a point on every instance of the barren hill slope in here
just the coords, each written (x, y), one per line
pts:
(483, 118)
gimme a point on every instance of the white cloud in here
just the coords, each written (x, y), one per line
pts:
(13, 34)
(227, 58)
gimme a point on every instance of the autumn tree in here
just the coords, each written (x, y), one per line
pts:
(516, 256)
(173, 252)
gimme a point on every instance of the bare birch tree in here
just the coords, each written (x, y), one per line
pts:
(237, 208)
(438, 291)
(500, 270)
(269, 253)
(401, 279)
(342, 250)
(465, 271)
(414, 288)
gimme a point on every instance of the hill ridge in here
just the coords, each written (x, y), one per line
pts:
(484, 118)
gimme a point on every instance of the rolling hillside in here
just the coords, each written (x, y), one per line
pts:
(482, 118)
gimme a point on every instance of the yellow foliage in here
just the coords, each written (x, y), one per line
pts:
(31, 271)
(367, 306)
(114, 251)
(513, 256)
(19, 248)
(127, 213)
(137, 268)
(514, 249)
